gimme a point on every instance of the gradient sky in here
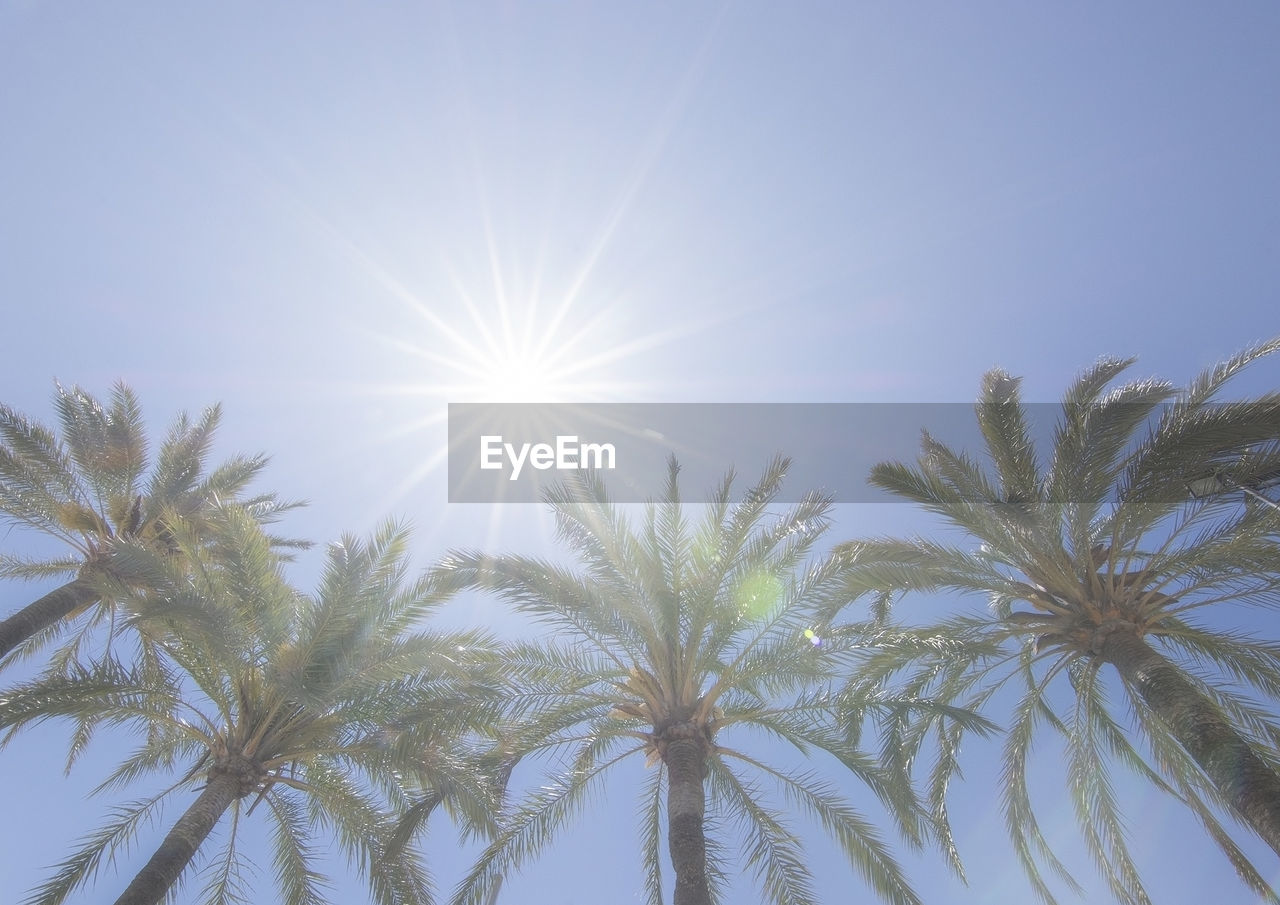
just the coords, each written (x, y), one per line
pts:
(335, 218)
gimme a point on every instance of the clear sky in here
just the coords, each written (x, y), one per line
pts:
(337, 217)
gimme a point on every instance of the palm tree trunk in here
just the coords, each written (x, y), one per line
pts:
(686, 803)
(179, 847)
(56, 605)
(1243, 778)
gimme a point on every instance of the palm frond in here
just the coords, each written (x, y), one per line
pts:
(293, 854)
(773, 850)
(96, 849)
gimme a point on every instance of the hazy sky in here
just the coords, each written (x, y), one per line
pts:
(336, 218)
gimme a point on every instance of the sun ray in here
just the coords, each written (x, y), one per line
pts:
(488, 330)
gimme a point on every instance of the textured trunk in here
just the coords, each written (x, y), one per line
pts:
(1252, 788)
(56, 605)
(178, 848)
(686, 803)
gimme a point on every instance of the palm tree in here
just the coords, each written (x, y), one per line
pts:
(686, 634)
(1114, 563)
(320, 710)
(90, 489)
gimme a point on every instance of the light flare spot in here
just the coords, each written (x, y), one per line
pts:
(759, 595)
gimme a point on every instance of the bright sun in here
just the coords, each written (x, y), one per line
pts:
(525, 353)
(521, 377)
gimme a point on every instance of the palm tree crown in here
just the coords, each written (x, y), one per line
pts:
(686, 634)
(317, 710)
(96, 489)
(1099, 567)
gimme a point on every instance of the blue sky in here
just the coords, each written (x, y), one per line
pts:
(336, 218)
